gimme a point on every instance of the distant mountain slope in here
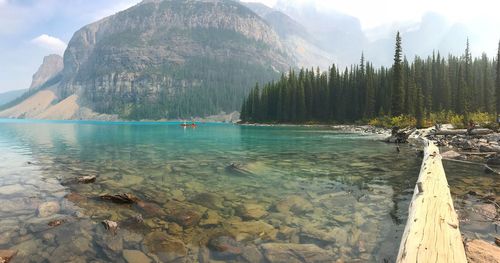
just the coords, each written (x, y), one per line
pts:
(171, 59)
(299, 42)
(9, 96)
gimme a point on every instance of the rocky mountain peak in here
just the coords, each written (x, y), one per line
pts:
(51, 66)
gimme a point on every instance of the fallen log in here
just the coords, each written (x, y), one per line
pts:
(489, 148)
(480, 131)
(400, 136)
(432, 230)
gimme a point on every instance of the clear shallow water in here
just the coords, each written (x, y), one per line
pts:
(333, 196)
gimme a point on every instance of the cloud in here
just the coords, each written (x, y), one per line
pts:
(53, 44)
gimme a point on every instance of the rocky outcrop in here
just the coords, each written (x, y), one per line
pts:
(51, 66)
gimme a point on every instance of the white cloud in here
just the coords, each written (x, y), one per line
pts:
(53, 44)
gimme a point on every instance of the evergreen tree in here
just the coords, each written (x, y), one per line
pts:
(497, 83)
(361, 91)
(397, 89)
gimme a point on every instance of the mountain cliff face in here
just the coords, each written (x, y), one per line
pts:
(298, 41)
(51, 66)
(170, 59)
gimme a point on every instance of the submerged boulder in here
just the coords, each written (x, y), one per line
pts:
(225, 247)
(48, 209)
(295, 253)
(209, 200)
(295, 204)
(167, 248)
(238, 169)
(251, 211)
(210, 219)
(251, 230)
(6, 255)
(121, 198)
(135, 256)
(182, 214)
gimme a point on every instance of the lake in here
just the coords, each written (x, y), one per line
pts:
(215, 192)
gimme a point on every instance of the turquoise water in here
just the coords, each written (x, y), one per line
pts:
(333, 196)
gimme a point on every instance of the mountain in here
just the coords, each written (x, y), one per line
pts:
(9, 96)
(298, 41)
(51, 66)
(165, 59)
(171, 59)
(336, 33)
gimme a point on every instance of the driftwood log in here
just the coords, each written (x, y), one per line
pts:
(400, 136)
(463, 132)
(432, 231)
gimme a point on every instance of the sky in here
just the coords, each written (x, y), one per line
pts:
(31, 29)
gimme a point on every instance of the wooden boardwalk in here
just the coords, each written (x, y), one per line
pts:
(432, 231)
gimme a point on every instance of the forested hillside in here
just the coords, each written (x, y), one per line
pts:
(416, 89)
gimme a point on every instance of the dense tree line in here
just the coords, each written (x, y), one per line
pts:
(458, 84)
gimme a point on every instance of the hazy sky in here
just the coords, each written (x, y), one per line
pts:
(31, 29)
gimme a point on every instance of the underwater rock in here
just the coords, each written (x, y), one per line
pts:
(185, 218)
(75, 198)
(110, 225)
(182, 214)
(238, 169)
(251, 230)
(111, 245)
(11, 189)
(86, 179)
(295, 204)
(150, 209)
(6, 255)
(56, 222)
(48, 209)
(251, 211)
(209, 200)
(489, 211)
(121, 198)
(178, 195)
(252, 254)
(167, 248)
(130, 180)
(335, 235)
(174, 229)
(494, 160)
(135, 256)
(295, 253)
(210, 219)
(224, 247)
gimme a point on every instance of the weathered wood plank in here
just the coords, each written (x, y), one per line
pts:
(432, 231)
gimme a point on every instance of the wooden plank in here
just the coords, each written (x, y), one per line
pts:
(432, 231)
